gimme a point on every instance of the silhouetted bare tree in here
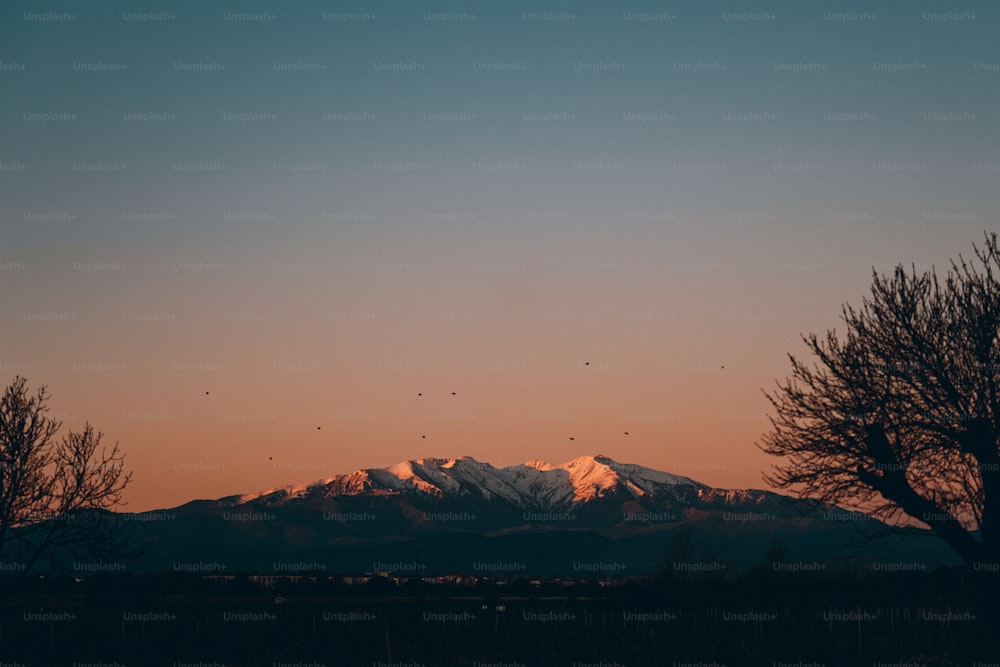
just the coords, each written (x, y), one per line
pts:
(53, 492)
(902, 413)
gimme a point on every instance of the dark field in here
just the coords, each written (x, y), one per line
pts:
(942, 618)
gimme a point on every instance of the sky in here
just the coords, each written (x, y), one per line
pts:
(266, 243)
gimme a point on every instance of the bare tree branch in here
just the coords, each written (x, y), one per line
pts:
(54, 494)
(901, 412)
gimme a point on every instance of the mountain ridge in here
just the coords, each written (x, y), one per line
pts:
(534, 484)
(455, 514)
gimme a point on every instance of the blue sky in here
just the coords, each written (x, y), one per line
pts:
(338, 203)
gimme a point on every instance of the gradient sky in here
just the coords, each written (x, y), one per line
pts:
(316, 211)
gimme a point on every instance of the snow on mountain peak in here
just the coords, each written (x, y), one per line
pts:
(534, 483)
(590, 475)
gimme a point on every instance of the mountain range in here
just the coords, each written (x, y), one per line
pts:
(591, 516)
(535, 484)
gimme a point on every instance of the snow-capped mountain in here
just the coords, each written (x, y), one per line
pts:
(597, 491)
(534, 484)
(455, 514)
